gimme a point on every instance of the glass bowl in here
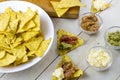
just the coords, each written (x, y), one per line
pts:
(100, 22)
(112, 30)
(96, 59)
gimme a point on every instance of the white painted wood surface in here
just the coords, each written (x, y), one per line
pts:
(43, 70)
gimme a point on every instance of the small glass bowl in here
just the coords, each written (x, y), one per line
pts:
(102, 68)
(111, 29)
(100, 22)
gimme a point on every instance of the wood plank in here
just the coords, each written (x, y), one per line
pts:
(46, 5)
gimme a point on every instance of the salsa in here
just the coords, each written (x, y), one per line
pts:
(90, 23)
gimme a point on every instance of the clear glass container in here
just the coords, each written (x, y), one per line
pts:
(100, 22)
(101, 68)
(109, 30)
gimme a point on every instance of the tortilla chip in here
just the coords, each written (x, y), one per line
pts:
(25, 17)
(4, 19)
(62, 32)
(19, 52)
(94, 10)
(13, 25)
(34, 43)
(13, 14)
(70, 3)
(9, 36)
(13, 19)
(3, 44)
(17, 41)
(66, 58)
(60, 12)
(2, 54)
(31, 54)
(29, 34)
(43, 47)
(28, 25)
(7, 60)
(23, 60)
(36, 20)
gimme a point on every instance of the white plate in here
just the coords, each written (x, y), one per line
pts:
(46, 26)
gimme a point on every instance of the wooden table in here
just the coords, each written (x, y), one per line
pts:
(43, 70)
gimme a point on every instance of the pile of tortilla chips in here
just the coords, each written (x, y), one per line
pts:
(63, 6)
(21, 38)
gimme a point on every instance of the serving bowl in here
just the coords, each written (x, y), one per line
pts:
(99, 22)
(46, 27)
(112, 40)
(95, 59)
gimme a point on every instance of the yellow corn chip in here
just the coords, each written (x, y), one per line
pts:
(29, 34)
(101, 5)
(34, 43)
(19, 52)
(13, 19)
(70, 3)
(17, 42)
(13, 25)
(25, 17)
(62, 32)
(60, 12)
(13, 15)
(23, 60)
(7, 60)
(4, 19)
(10, 35)
(36, 19)
(3, 44)
(2, 54)
(28, 25)
(44, 45)
(31, 54)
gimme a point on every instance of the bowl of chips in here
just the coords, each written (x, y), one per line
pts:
(26, 35)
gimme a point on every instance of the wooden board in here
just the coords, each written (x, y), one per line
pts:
(45, 4)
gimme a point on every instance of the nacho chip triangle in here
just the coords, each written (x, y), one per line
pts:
(66, 59)
(29, 25)
(4, 20)
(36, 19)
(70, 3)
(3, 44)
(2, 54)
(19, 52)
(59, 35)
(17, 41)
(13, 14)
(29, 34)
(43, 47)
(24, 18)
(7, 60)
(34, 43)
(60, 12)
(101, 7)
